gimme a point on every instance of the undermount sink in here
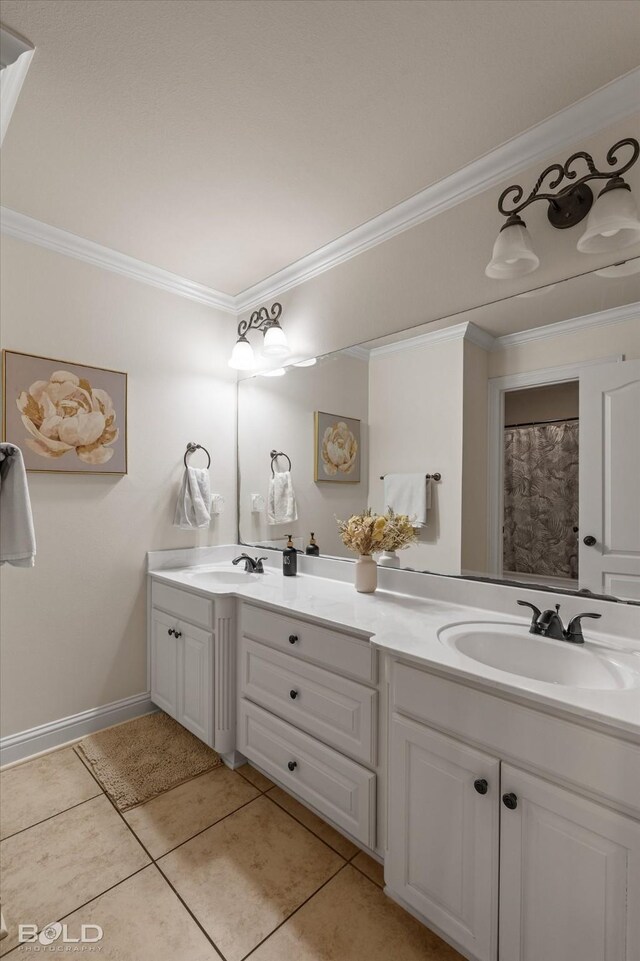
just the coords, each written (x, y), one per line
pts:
(212, 576)
(510, 648)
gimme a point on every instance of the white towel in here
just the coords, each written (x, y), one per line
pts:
(17, 536)
(408, 494)
(194, 500)
(282, 506)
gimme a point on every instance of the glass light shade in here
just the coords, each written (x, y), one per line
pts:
(513, 254)
(242, 355)
(612, 223)
(275, 342)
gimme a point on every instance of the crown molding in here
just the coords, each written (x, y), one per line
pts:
(582, 119)
(600, 109)
(464, 331)
(361, 353)
(614, 315)
(32, 231)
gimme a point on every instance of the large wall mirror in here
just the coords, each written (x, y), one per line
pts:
(528, 410)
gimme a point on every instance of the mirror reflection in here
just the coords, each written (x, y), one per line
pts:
(509, 434)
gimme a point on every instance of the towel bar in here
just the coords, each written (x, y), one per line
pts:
(435, 477)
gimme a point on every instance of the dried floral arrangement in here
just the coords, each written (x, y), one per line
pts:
(367, 533)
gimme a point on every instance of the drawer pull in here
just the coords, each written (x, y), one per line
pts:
(293, 695)
(170, 631)
(292, 765)
(293, 638)
(481, 785)
(177, 633)
(510, 801)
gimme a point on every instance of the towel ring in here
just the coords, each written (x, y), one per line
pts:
(192, 448)
(274, 456)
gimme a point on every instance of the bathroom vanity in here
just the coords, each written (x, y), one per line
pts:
(505, 805)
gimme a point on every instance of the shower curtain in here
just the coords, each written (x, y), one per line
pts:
(541, 499)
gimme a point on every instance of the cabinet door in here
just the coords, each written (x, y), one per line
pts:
(569, 876)
(195, 682)
(443, 834)
(164, 662)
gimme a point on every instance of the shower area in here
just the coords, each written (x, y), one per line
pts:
(541, 458)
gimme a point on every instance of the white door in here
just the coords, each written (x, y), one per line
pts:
(442, 856)
(569, 876)
(164, 662)
(195, 681)
(610, 479)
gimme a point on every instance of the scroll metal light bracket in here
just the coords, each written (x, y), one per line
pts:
(572, 202)
(261, 319)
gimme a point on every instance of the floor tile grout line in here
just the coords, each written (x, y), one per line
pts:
(202, 830)
(189, 910)
(335, 850)
(83, 905)
(360, 871)
(295, 910)
(50, 817)
(262, 791)
(162, 874)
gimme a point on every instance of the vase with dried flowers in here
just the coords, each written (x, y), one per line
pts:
(367, 533)
(399, 534)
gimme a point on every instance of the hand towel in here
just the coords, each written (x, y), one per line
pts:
(17, 536)
(282, 506)
(194, 500)
(408, 494)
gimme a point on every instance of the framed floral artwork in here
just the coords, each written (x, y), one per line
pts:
(64, 417)
(337, 448)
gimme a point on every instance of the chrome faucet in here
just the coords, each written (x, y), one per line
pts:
(549, 624)
(251, 565)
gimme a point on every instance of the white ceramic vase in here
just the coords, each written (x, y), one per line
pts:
(366, 574)
(389, 559)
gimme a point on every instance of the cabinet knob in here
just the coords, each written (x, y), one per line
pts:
(481, 785)
(589, 540)
(293, 695)
(292, 765)
(510, 801)
(177, 633)
(293, 638)
(170, 631)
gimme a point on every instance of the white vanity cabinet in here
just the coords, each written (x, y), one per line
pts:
(191, 663)
(508, 863)
(308, 714)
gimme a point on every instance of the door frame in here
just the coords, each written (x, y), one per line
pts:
(497, 388)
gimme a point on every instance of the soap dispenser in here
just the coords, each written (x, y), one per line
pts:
(290, 559)
(312, 548)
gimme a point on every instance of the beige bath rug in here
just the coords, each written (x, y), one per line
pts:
(142, 758)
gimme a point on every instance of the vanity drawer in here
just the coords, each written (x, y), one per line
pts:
(191, 607)
(353, 656)
(338, 711)
(339, 788)
(605, 765)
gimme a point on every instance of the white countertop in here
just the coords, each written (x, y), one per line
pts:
(408, 626)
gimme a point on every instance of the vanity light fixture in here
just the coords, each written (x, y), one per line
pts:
(276, 372)
(311, 362)
(613, 219)
(275, 341)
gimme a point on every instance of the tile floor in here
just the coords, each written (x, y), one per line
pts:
(226, 866)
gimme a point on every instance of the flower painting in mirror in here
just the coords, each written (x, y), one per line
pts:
(65, 417)
(337, 448)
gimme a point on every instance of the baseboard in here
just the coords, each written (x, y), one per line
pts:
(47, 737)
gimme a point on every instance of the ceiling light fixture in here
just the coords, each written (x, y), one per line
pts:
(275, 341)
(613, 222)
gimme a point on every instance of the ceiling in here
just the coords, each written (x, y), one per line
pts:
(225, 140)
